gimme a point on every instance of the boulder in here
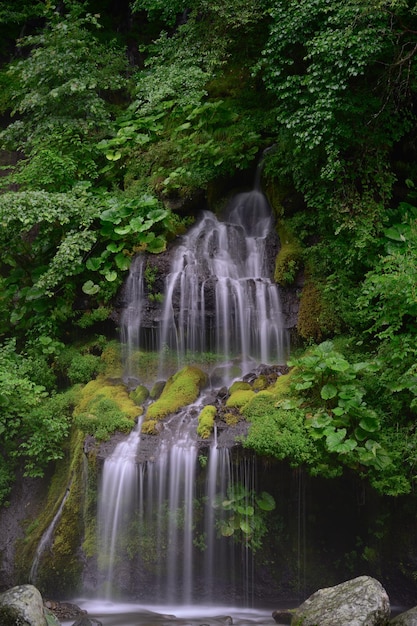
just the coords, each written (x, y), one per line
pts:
(23, 605)
(361, 601)
(409, 618)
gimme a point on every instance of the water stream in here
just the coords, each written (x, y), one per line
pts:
(163, 523)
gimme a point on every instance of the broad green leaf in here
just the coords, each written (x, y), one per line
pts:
(111, 276)
(93, 263)
(369, 423)
(115, 247)
(334, 439)
(328, 391)
(157, 245)
(245, 527)
(90, 288)
(265, 501)
(123, 230)
(111, 215)
(122, 261)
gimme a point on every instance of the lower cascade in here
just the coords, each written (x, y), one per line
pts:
(170, 522)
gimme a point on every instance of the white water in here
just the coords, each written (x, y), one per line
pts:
(218, 296)
(47, 538)
(225, 261)
(157, 521)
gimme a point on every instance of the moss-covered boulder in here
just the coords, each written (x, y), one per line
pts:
(240, 398)
(181, 389)
(139, 395)
(103, 408)
(239, 385)
(206, 421)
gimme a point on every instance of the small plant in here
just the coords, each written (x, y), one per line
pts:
(242, 514)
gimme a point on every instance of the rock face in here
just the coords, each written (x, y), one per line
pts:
(361, 601)
(23, 605)
(409, 618)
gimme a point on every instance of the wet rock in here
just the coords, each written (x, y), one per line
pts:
(23, 604)
(361, 601)
(84, 620)
(283, 616)
(409, 618)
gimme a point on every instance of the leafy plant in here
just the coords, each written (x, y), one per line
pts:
(242, 514)
(334, 402)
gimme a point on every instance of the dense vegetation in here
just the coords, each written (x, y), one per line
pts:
(115, 114)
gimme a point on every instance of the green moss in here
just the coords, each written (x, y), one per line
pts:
(104, 408)
(240, 398)
(231, 419)
(60, 567)
(260, 383)
(139, 395)
(239, 385)
(206, 421)
(111, 358)
(149, 427)
(281, 388)
(180, 390)
(289, 257)
(310, 312)
(157, 389)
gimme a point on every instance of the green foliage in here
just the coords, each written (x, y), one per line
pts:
(324, 63)
(278, 432)
(33, 425)
(242, 514)
(58, 93)
(334, 402)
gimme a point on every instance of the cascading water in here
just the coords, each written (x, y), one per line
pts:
(164, 522)
(218, 295)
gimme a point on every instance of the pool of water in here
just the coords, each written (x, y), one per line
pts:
(130, 614)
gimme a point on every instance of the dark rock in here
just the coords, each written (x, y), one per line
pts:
(283, 616)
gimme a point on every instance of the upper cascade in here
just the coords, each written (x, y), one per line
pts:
(218, 296)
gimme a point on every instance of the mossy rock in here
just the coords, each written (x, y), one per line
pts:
(206, 421)
(309, 313)
(139, 395)
(289, 257)
(157, 389)
(104, 408)
(239, 385)
(282, 386)
(181, 389)
(149, 427)
(240, 398)
(231, 419)
(112, 360)
(260, 383)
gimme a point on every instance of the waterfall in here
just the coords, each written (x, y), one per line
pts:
(160, 524)
(175, 523)
(47, 538)
(218, 296)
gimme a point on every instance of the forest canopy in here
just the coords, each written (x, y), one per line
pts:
(115, 116)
